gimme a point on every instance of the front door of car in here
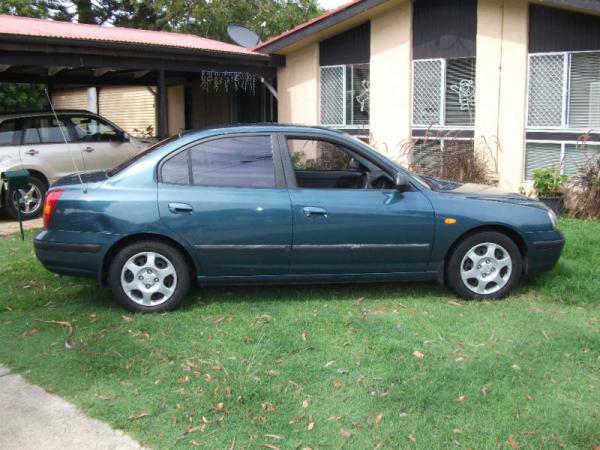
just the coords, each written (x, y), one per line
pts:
(102, 145)
(226, 197)
(47, 147)
(348, 216)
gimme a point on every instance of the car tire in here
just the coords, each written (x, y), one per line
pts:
(149, 276)
(485, 265)
(33, 205)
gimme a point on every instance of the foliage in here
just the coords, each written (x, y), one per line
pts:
(21, 97)
(321, 366)
(458, 161)
(583, 194)
(549, 182)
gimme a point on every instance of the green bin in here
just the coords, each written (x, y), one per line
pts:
(17, 179)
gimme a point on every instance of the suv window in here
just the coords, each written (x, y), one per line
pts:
(240, 161)
(90, 129)
(45, 130)
(8, 132)
(312, 154)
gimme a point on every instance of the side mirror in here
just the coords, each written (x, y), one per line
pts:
(401, 181)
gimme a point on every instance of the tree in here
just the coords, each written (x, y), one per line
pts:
(21, 96)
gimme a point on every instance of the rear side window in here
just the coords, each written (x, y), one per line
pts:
(240, 161)
(8, 132)
(45, 130)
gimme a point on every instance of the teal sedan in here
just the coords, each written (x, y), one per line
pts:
(285, 204)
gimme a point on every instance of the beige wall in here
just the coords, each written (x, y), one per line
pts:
(390, 74)
(501, 85)
(298, 88)
(130, 107)
(175, 110)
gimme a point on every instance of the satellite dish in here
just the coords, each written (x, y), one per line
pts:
(243, 36)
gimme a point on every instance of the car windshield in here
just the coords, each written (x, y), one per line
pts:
(124, 165)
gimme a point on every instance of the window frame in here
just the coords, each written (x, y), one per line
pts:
(563, 145)
(279, 179)
(345, 125)
(73, 128)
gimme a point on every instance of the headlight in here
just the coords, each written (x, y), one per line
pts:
(553, 219)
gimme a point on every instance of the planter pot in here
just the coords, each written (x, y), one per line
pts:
(556, 204)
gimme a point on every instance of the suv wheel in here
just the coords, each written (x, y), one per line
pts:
(149, 276)
(485, 265)
(31, 201)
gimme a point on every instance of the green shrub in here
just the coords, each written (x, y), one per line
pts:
(549, 182)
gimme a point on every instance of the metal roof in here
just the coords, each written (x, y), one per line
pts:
(43, 28)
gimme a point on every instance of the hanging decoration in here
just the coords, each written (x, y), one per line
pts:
(215, 81)
(363, 97)
(466, 94)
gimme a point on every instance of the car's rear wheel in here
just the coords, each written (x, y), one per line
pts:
(148, 276)
(30, 200)
(485, 265)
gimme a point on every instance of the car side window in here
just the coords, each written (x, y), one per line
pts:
(239, 161)
(176, 170)
(8, 132)
(90, 129)
(45, 130)
(313, 154)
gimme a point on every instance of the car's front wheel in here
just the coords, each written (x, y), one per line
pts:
(29, 200)
(485, 265)
(149, 276)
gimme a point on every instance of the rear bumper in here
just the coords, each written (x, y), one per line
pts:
(544, 251)
(68, 258)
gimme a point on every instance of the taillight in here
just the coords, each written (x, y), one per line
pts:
(49, 204)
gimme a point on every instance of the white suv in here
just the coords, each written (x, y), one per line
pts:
(51, 148)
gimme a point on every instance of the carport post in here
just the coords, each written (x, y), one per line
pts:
(161, 99)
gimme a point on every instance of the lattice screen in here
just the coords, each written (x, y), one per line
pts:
(427, 95)
(333, 94)
(546, 79)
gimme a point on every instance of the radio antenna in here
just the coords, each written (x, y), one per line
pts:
(64, 136)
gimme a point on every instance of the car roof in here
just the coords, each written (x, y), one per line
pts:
(22, 114)
(265, 127)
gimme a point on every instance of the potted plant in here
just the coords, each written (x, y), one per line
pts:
(549, 185)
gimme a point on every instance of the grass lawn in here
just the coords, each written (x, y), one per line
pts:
(321, 366)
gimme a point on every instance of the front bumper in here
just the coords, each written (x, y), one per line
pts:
(544, 250)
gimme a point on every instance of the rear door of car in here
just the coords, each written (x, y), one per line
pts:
(341, 227)
(102, 145)
(44, 147)
(226, 197)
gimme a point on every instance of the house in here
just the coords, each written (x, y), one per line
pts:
(139, 78)
(517, 80)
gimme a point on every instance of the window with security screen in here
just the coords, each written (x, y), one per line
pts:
(444, 92)
(344, 95)
(564, 90)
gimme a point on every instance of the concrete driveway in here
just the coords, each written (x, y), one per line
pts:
(9, 226)
(33, 419)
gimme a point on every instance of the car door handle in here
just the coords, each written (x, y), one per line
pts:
(179, 208)
(32, 152)
(310, 211)
(88, 149)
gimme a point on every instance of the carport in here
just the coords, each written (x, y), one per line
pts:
(60, 54)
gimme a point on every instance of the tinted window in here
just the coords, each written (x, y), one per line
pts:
(176, 170)
(90, 129)
(45, 130)
(244, 161)
(309, 154)
(8, 131)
